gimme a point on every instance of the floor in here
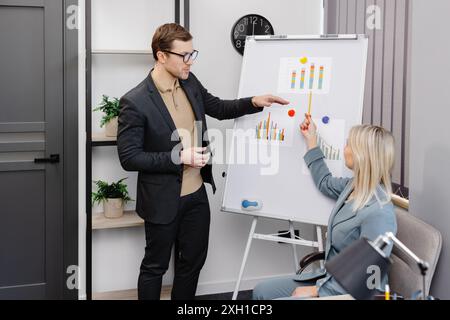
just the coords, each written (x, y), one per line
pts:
(165, 295)
(242, 295)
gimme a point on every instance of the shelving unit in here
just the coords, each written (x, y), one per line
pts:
(125, 52)
(99, 140)
(98, 221)
(129, 219)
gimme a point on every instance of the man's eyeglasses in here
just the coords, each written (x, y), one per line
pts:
(187, 56)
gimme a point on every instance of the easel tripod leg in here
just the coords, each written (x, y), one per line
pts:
(320, 243)
(244, 261)
(291, 228)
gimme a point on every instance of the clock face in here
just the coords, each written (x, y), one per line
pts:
(251, 24)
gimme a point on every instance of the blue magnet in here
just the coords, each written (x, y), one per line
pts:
(251, 205)
(326, 120)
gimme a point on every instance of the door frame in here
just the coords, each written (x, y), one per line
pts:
(70, 158)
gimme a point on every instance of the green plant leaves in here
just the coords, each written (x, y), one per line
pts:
(116, 190)
(111, 108)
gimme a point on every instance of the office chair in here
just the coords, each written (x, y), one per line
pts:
(421, 238)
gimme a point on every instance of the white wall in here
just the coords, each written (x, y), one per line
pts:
(117, 253)
(430, 129)
(120, 25)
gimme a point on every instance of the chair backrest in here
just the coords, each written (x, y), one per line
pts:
(422, 239)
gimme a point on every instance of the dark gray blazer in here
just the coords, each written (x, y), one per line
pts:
(144, 142)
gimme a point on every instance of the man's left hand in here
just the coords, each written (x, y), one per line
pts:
(267, 101)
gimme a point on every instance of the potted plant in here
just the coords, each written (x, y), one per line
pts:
(114, 196)
(111, 108)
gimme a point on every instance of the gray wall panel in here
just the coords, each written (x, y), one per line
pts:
(388, 64)
(378, 61)
(399, 87)
(386, 76)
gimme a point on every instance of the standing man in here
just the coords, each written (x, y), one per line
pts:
(156, 118)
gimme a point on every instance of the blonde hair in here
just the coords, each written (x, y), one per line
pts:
(373, 159)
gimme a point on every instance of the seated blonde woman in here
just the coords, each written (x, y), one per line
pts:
(363, 206)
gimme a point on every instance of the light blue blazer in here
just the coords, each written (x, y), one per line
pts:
(345, 226)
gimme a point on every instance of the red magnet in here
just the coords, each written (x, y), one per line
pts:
(291, 113)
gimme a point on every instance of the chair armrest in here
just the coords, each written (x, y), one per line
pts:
(307, 260)
(342, 297)
(310, 258)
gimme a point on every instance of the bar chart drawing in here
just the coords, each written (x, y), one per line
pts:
(331, 140)
(302, 78)
(267, 128)
(330, 152)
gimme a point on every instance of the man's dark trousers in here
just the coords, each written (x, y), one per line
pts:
(189, 233)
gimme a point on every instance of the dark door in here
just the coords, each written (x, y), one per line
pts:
(31, 127)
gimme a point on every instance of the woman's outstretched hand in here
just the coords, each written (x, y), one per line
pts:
(309, 131)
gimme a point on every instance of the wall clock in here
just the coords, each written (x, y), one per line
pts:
(248, 25)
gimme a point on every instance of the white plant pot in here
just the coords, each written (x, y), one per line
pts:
(111, 127)
(113, 208)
